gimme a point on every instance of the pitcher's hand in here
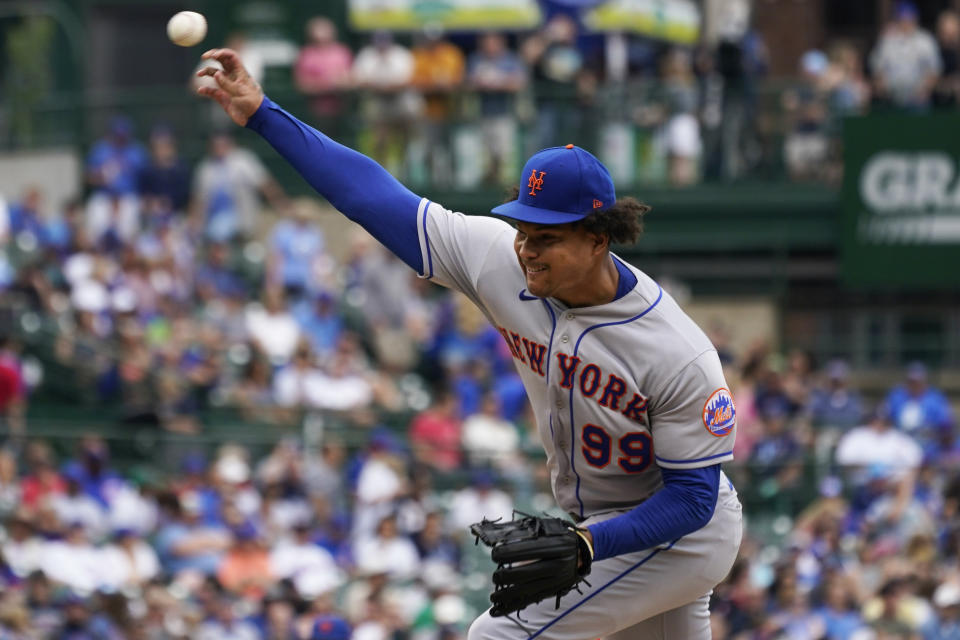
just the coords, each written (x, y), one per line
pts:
(238, 93)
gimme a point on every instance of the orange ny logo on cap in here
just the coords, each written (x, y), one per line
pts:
(535, 182)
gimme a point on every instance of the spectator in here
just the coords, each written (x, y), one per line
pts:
(922, 411)
(435, 434)
(740, 60)
(164, 182)
(436, 546)
(74, 561)
(879, 447)
(226, 186)
(556, 64)
(681, 131)
(490, 439)
(43, 480)
(76, 506)
(184, 542)
(946, 623)
(272, 327)
(322, 70)
(777, 454)
(382, 71)
(481, 499)
(310, 566)
(905, 63)
(245, 569)
(846, 86)
(807, 146)
(321, 321)
(330, 628)
(839, 613)
(297, 254)
(223, 623)
(22, 549)
(946, 93)
(13, 392)
(835, 405)
(113, 165)
(27, 217)
(834, 408)
(9, 483)
(497, 75)
(380, 483)
(216, 277)
(131, 560)
(386, 547)
(438, 70)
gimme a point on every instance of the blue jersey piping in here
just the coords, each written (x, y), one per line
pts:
(718, 455)
(597, 592)
(576, 348)
(426, 238)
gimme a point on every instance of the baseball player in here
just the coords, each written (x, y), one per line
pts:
(629, 396)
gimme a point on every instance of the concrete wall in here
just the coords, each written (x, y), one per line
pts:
(57, 172)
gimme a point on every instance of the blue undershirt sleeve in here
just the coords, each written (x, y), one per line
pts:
(685, 504)
(353, 183)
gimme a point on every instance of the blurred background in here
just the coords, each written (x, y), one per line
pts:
(226, 412)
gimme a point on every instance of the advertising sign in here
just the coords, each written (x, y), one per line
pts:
(901, 201)
(412, 15)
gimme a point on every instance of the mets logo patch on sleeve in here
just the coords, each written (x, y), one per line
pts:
(719, 414)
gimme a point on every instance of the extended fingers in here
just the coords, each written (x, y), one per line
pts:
(221, 77)
(219, 95)
(227, 57)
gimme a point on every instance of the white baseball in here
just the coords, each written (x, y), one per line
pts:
(187, 28)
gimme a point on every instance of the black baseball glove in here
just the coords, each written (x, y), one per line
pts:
(537, 558)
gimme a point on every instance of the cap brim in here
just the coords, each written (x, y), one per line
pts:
(525, 213)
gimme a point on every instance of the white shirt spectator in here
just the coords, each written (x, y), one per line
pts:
(397, 553)
(278, 333)
(306, 564)
(378, 485)
(130, 510)
(82, 509)
(888, 448)
(473, 504)
(313, 388)
(216, 630)
(905, 60)
(133, 565)
(78, 565)
(24, 556)
(488, 438)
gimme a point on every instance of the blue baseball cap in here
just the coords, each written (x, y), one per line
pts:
(328, 627)
(905, 10)
(560, 185)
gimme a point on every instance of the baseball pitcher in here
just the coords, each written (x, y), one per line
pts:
(629, 396)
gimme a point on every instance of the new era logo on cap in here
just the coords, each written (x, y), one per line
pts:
(564, 184)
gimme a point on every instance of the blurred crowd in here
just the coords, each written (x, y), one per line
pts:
(166, 293)
(171, 290)
(701, 112)
(853, 529)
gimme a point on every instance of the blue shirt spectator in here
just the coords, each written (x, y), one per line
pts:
(297, 246)
(836, 404)
(496, 73)
(115, 162)
(922, 411)
(164, 183)
(25, 216)
(320, 321)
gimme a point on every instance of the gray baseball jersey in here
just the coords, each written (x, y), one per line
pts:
(618, 390)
